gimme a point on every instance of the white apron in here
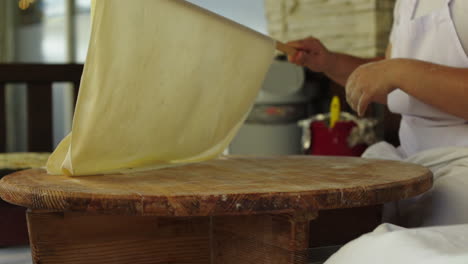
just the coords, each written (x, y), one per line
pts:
(431, 38)
(429, 137)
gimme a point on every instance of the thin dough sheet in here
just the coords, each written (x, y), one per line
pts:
(165, 83)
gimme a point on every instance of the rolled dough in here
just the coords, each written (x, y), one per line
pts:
(165, 83)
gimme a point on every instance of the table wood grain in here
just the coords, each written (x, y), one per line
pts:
(225, 186)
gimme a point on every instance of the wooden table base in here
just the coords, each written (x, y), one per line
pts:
(13, 230)
(78, 238)
(231, 210)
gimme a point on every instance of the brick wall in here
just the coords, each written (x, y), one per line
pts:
(358, 27)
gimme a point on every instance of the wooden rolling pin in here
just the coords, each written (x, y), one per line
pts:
(285, 48)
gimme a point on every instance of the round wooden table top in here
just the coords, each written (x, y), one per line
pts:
(225, 186)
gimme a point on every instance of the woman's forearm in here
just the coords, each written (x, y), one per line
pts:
(342, 65)
(445, 88)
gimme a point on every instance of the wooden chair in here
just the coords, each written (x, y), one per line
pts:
(39, 79)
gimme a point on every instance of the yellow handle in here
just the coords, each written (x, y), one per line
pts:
(335, 111)
(24, 4)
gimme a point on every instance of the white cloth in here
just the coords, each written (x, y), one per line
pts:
(431, 38)
(446, 203)
(390, 244)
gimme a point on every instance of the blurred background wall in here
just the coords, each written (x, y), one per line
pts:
(358, 27)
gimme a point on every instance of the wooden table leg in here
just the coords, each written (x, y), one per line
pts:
(13, 230)
(258, 239)
(69, 238)
(76, 238)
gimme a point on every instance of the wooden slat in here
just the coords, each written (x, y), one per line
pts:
(40, 117)
(2, 118)
(38, 77)
(40, 72)
(76, 88)
(261, 239)
(70, 238)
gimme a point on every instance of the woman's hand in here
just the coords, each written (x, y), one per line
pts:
(369, 83)
(312, 54)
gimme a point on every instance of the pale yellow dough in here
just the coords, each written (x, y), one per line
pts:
(165, 83)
